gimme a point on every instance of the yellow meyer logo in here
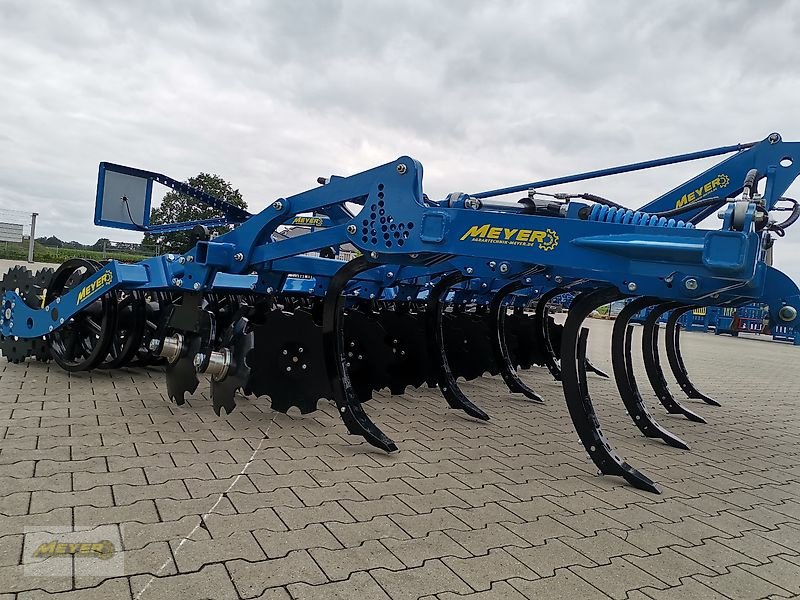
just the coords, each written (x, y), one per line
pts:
(544, 240)
(308, 221)
(101, 282)
(719, 182)
(103, 549)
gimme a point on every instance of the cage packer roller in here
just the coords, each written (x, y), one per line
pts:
(442, 289)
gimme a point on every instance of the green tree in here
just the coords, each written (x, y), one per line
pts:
(176, 207)
(101, 244)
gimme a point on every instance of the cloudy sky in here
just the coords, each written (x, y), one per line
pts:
(272, 94)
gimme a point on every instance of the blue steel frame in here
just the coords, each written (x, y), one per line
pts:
(423, 239)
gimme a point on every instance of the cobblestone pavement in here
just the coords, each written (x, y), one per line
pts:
(259, 505)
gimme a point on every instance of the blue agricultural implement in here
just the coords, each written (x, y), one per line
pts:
(439, 290)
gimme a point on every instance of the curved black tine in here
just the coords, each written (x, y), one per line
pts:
(621, 338)
(652, 364)
(444, 375)
(347, 402)
(592, 369)
(673, 334)
(500, 348)
(576, 391)
(542, 332)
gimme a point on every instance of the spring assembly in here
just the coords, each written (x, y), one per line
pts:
(606, 214)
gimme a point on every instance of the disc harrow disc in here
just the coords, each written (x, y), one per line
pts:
(521, 340)
(405, 336)
(181, 375)
(238, 341)
(287, 361)
(468, 346)
(368, 356)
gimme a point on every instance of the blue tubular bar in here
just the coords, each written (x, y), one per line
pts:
(659, 162)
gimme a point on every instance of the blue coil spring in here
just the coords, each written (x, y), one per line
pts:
(609, 214)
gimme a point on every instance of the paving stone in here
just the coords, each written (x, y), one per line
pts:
(18, 503)
(778, 571)
(57, 482)
(221, 525)
(297, 518)
(193, 554)
(741, 584)
(269, 483)
(603, 546)
(218, 459)
(538, 531)
(339, 564)
(159, 474)
(117, 588)
(118, 463)
(211, 582)
(545, 559)
(11, 550)
(359, 585)
(351, 475)
(480, 541)
(565, 584)
(172, 510)
(480, 517)
(200, 488)
(24, 469)
(252, 579)
(530, 510)
(381, 489)
(691, 530)
(414, 552)
(618, 578)
(277, 544)
(366, 510)
(385, 473)
(788, 537)
(715, 556)
(137, 535)
(13, 579)
(500, 591)
(250, 501)
(432, 578)
(85, 481)
(670, 566)
(689, 589)
(318, 495)
(154, 559)
(43, 501)
(128, 494)
(763, 516)
(379, 528)
(481, 571)
(651, 538)
(422, 525)
(756, 547)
